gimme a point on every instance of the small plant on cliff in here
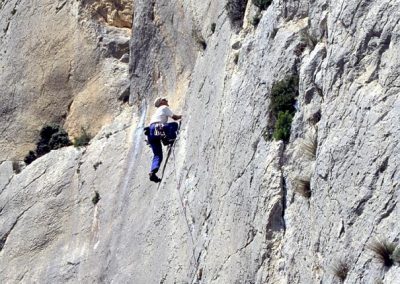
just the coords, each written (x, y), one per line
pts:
(200, 40)
(236, 10)
(282, 126)
(282, 108)
(83, 139)
(96, 198)
(302, 187)
(16, 166)
(283, 95)
(383, 251)
(202, 43)
(262, 4)
(340, 269)
(213, 26)
(52, 137)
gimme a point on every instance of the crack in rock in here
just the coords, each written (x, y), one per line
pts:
(60, 6)
(4, 238)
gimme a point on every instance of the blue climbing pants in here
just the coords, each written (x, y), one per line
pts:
(170, 130)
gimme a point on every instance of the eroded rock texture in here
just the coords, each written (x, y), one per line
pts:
(117, 13)
(233, 206)
(59, 64)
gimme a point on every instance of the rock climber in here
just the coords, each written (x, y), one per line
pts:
(161, 131)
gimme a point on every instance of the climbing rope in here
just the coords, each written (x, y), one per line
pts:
(178, 186)
(171, 148)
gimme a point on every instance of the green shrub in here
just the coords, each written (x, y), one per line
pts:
(236, 10)
(282, 126)
(52, 137)
(283, 95)
(83, 139)
(30, 157)
(282, 108)
(262, 4)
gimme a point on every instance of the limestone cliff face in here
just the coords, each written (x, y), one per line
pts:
(233, 206)
(61, 62)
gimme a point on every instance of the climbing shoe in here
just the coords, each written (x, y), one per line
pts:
(153, 177)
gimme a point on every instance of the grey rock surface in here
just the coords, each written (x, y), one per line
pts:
(230, 208)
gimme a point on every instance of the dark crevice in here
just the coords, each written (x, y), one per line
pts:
(250, 238)
(5, 186)
(282, 160)
(360, 208)
(342, 229)
(284, 198)
(59, 8)
(13, 12)
(389, 208)
(384, 165)
(5, 30)
(35, 179)
(124, 97)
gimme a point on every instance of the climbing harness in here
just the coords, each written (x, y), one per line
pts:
(169, 145)
(159, 131)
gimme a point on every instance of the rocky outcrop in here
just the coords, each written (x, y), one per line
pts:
(117, 13)
(234, 206)
(59, 64)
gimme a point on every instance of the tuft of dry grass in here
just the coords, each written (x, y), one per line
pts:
(302, 187)
(16, 166)
(340, 269)
(383, 251)
(308, 145)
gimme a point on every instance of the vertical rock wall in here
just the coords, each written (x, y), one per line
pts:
(231, 207)
(59, 64)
